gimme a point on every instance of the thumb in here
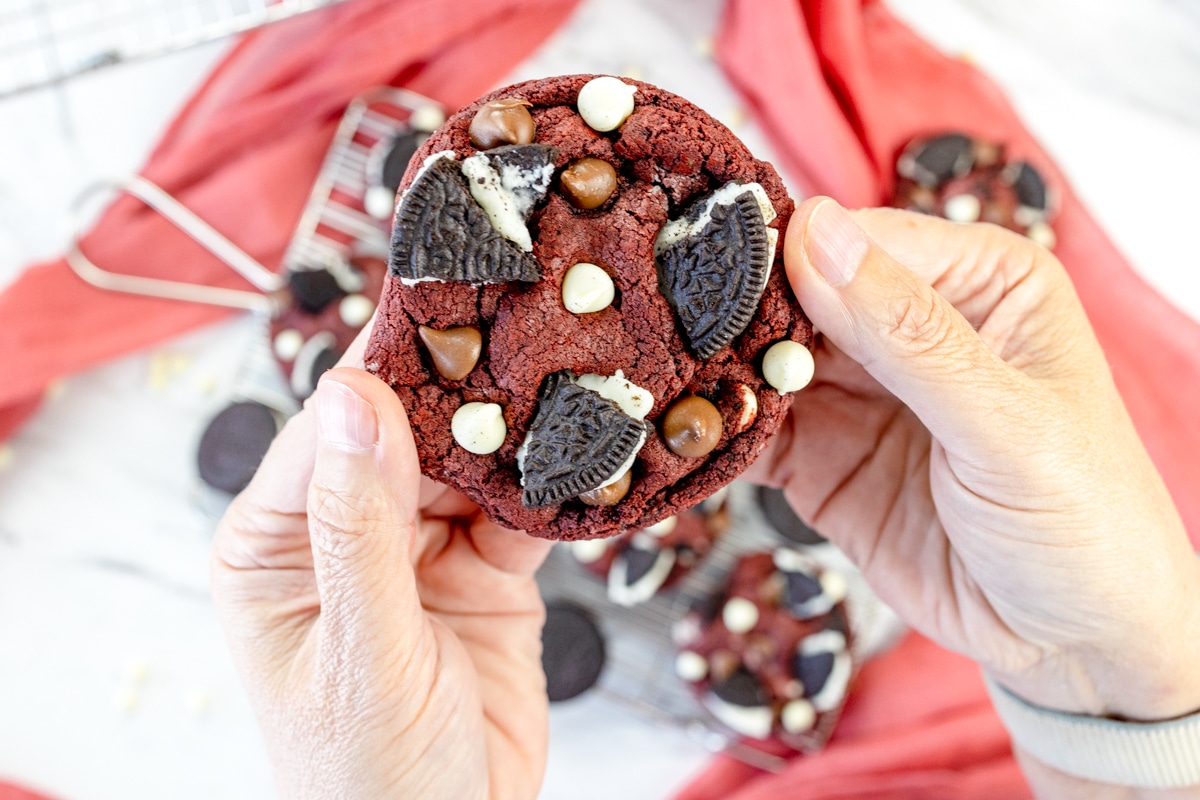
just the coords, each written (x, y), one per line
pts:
(362, 505)
(897, 326)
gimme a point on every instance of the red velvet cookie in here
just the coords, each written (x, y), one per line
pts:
(970, 180)
(586, 315)
(771, 657)
(329, 305)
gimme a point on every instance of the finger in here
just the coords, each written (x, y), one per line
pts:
(362, 505)
(893, 323)
(972, 266)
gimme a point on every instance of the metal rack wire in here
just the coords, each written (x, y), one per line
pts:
(47, 42)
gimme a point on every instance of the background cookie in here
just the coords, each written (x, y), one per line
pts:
(966, 179)
(771, 656)
(586, 315)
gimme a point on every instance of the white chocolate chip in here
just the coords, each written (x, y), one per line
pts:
(588, 550)
(7, 455)
(691, 666)
(355, 310)
(288, 343)
(587, 289)
(663, 527)
(834, 585)
(507, 193)
(798, 716)
(380, 202)
(427, 118)
(788, 366)
(749, 410)
(739, 615)
(605, 102)
(962, 208)
(1043, 234)
(479, 427)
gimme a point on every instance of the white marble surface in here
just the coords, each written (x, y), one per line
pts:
(114, 681)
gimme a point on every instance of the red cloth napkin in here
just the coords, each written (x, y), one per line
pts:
(242, 154)
(840, 86)
(9, 791)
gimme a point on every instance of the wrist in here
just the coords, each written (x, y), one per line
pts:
(1146, 672)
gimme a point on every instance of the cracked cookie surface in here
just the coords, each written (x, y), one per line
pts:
(666, 155)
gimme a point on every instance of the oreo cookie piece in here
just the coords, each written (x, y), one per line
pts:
(637, 566)
(577, 441)
(715, 262)
(934, 161)
(762, 669)
(573, 651)
(442, 234)
(314, 289)
(233, 445)
(596, 171)
(783, 519)
(1030, 187)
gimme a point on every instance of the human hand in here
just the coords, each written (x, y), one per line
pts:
(964, 443)
(388, 634)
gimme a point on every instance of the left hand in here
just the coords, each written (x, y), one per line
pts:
(387, 632)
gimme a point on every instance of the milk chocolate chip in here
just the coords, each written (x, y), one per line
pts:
(454, 351)
(692, 427)
(504, 121)
(588, 182)
(609, 495)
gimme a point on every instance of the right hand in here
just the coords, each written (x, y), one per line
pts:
(963, 442)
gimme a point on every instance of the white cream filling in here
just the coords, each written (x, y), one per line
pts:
(625, 595)
(681, 228)
(752, 721)
(629, 397)
(507, 195)
(829, 641)
(303, 381)
(835, 685)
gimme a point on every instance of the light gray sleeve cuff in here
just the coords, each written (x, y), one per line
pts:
(1153, 755)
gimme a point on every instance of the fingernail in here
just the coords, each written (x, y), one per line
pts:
(344, 419)
(835, 245)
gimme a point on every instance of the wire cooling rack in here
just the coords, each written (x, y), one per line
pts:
(639, 672)
(46, 42)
